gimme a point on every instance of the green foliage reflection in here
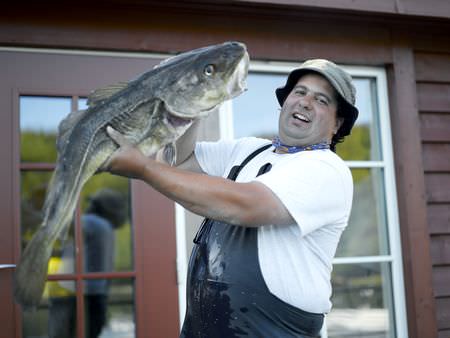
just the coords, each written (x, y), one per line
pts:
(37, 147)
(41, 147)
(356, 146)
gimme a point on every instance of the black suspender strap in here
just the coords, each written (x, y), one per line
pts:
(234, 172)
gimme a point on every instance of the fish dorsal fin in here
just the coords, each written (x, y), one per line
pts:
(66, 125)
(101, 94)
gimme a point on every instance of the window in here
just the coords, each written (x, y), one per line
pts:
(368, 294)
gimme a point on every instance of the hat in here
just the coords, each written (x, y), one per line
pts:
(338, 78)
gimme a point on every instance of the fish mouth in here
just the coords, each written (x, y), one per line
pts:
(178, 121)
(238, 84)
(180, 118)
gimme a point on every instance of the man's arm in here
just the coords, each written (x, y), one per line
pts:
(185, 146)
(247, 204)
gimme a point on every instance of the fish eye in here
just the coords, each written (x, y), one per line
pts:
(209, 70)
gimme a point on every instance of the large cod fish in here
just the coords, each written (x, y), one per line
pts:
(152, 111)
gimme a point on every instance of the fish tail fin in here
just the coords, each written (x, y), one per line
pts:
(31, 273)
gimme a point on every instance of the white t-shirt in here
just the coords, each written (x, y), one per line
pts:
(316, 188)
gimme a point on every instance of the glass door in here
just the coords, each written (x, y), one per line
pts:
(109, 275)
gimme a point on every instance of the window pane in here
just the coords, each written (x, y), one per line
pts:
(106, 223)
(82, 104)
(33, 190)
(39, 120)
(366, 232)
(110, 311)
(56, 316)
(362, 301)
(255, 112)
(364, 142)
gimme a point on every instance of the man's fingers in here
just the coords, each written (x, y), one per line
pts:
(117, 137)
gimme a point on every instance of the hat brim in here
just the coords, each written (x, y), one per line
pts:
(348, 111)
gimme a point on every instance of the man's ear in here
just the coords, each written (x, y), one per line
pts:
(339, 122)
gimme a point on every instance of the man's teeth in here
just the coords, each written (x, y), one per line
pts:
(301, 117)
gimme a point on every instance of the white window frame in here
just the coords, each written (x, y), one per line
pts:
(386, 163)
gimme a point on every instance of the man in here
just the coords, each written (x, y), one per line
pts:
(263, 257)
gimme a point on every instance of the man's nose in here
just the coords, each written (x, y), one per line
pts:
(305, 101)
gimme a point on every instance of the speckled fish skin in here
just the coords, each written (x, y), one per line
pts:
(152, 111)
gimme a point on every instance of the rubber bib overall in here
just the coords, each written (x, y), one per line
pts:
(226, 293)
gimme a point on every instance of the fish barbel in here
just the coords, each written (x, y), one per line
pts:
(152, 111)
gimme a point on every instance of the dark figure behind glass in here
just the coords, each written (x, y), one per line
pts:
(105, 213)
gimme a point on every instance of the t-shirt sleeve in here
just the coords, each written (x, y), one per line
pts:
(214, 157)
(313, 191)
(217, 158)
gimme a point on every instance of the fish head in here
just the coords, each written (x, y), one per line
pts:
(204, 78)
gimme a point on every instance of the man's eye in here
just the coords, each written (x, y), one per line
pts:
(300, 92)
(322, 101)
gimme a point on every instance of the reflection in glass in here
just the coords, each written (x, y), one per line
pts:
(106, 224)
(361, 299)
(55, 317)
(33, 189)
(105, 212)
(366, 232)
(363, 144)
(62, 309)
(110, 314)
(82, 104)
(39, 120)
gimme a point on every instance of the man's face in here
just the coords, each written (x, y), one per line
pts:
(308, 114)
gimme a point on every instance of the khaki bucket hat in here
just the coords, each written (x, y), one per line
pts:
(338, 78)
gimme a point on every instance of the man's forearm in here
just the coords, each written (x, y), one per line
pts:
(248, 204)
(196, 192)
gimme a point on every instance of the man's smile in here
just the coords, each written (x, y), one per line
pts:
(302, 117)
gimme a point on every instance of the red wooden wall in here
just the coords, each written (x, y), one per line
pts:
(433, 89)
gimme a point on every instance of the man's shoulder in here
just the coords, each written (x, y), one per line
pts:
(318, 161)
(241, 147)
(247, 145)
(325, 156)
(250, 142)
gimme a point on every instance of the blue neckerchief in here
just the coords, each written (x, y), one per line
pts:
(285, 149)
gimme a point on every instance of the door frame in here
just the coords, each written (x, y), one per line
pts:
(61, 72)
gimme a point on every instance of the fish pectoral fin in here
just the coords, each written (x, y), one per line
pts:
(101, 94)
(167, 154)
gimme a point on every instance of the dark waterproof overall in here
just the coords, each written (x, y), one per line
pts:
(226, 292)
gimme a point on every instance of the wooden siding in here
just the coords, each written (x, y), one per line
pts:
(411, 195)
(432, 8)
(433, 88)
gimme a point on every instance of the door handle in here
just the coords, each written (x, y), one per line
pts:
(7, 266)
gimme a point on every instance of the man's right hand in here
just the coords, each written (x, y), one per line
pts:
(128, 160)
